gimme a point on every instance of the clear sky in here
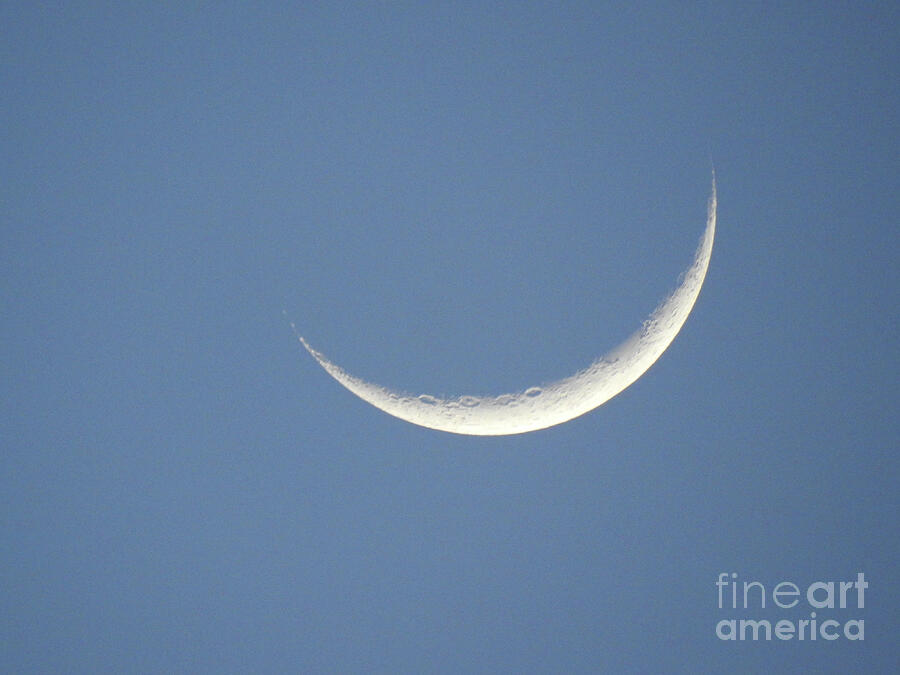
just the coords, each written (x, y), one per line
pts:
(447, 198)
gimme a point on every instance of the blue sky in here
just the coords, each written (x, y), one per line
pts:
(445, 198)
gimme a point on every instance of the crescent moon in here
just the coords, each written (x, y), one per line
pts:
(541, 407)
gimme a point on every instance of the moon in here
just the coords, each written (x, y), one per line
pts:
(548, 405)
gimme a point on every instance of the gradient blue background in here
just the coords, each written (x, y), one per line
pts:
(445, 198)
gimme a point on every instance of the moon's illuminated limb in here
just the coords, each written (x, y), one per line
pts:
(541, 407)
